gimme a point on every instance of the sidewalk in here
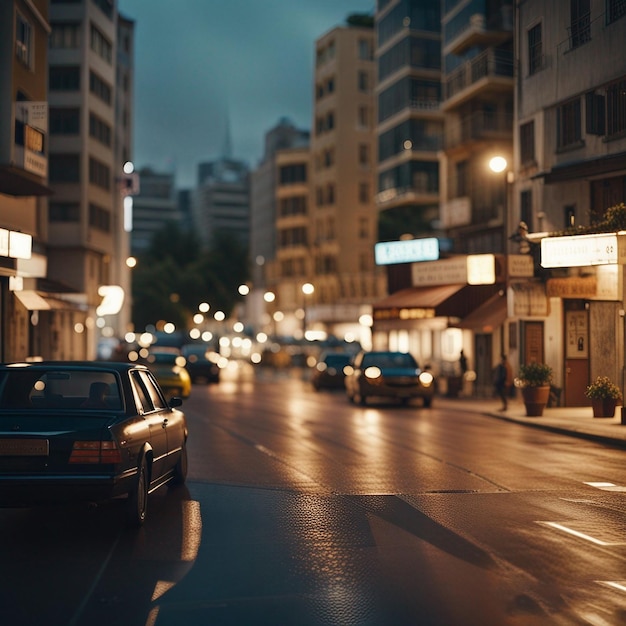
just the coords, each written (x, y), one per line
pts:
(575, 421)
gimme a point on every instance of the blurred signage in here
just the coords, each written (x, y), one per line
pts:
(406, 251)
(34, 117)
(15, 245)
(583, 250)
(473, 269)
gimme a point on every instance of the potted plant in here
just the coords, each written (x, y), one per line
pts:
(604, 395)
(534, 380)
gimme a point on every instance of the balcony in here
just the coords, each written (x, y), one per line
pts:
(489, 72)
(466, 31)
(478, 127)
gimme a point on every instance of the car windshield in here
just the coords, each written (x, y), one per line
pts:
(56, 388)
(398, 359)
(337, 360)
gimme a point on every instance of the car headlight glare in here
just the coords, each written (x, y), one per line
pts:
(426, 379)
(372, 372)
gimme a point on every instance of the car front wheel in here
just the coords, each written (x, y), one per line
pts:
(137, 503)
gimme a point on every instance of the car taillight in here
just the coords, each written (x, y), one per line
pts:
(95, 452)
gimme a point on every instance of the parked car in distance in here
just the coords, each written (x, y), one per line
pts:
(87, 431)
(328, 372)
(201, 362)
(388, 375)
(168, 365)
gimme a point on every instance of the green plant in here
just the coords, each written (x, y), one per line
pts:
(535, 375)
(602, 388)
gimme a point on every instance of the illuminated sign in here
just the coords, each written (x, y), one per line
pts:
(406, 251)
(473, 269)
(583, 250)
(112, 300)
(20, 245)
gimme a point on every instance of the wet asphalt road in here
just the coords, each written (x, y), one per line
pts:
(303, 509)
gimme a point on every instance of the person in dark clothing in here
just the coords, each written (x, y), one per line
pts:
(502, 381)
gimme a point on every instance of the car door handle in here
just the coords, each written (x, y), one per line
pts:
(164, 424)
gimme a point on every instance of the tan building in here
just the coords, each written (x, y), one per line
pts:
(343, 215)
(85, 212)
(24, 30)
(570, 168)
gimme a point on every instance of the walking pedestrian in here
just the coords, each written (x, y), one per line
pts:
(503, 380)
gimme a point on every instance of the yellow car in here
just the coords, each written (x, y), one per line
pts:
(168, 367)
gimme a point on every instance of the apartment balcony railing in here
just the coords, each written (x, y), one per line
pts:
(479, 126)
(489, 64)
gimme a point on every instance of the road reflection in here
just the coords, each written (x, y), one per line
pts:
(84, 567)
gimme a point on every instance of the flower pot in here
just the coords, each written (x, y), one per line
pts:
(535, 399)
(603, 407)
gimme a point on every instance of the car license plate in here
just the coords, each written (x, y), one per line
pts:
(24, 447)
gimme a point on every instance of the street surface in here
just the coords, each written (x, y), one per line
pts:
(302, 509)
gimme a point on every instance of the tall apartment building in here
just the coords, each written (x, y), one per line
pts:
(25, 313)
(410, 120)
(220, 202)
(478, 105)
(264, 184)
(84, 163)
(570, 138)
(343, 213)
(154, 207)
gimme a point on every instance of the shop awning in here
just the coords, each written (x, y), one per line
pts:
(38, 301)
(428, 302)
(487, 317)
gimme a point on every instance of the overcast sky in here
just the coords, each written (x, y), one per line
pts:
(203, 66)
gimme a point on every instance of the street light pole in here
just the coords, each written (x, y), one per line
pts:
(307, 290)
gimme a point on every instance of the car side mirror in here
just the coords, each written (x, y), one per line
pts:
(175, 401)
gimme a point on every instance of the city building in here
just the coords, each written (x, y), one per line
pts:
(87, 145)
(264, 181)
(155, 205)
(343, 215)
(26, 313)
(220, 202)
(570, 167)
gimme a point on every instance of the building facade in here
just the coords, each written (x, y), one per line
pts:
(25, 315)
(343, 211)
(85, 152)
(570, 137)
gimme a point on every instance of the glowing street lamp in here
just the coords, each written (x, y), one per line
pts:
(497, 165)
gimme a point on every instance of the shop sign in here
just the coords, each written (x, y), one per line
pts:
(528, 300)
(474, 269)
(406, 251)
(404, 313)
(583, 250)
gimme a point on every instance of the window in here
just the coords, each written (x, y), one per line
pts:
(580, 25)
(64, 168)
(99, 130)
(99, 174)
(614, 10)
(64, 212)
(595, 114)
(364, 193)
(292, 174)
(65, 35)
(99, 218)
(568, 125)
(364, 154)
(526, 207)
(570, 215)
(363, 117)
(616, 108)
(64, 121)
(64, 78)
(527, 142)
(366, 50)
(364, 228)
(535, 49)
(23, 40)
(364, 82)
(100, 88)
(100, 45)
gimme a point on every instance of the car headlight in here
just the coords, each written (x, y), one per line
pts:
(426, 379)
(372, 372)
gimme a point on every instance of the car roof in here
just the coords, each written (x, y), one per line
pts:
(116, 366)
